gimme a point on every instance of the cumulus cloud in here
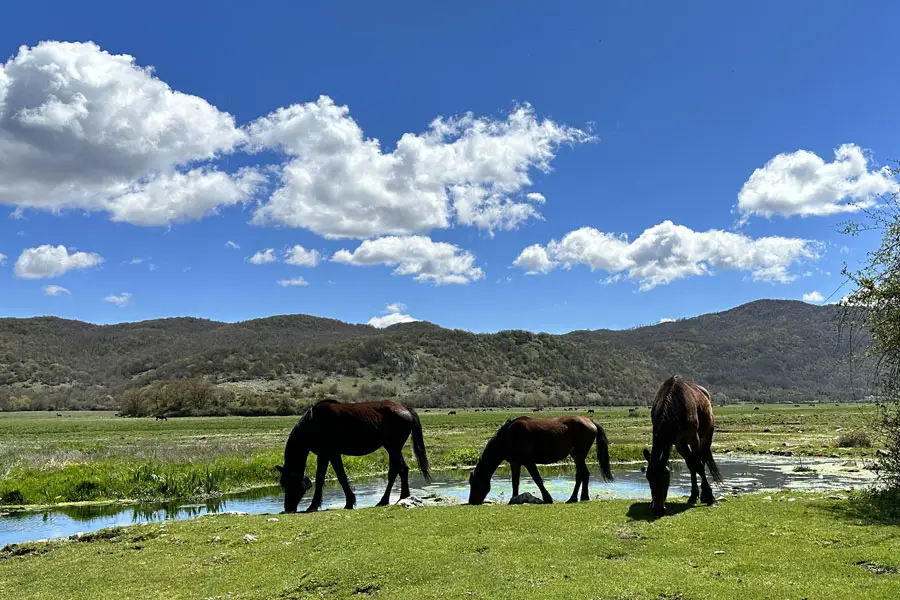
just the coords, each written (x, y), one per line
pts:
(2, 259)
(122, 299)
(419, 256)
(49, 261)
(340, 184)
(81, 128)
(292, 282)
(667, 252)
(393, 315)
(263, 257)
(301, 257)
(55, 290)
(814, 297)
(665, 320)
(231, 245)
(802, 183)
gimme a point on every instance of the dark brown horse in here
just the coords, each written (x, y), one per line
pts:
(330, 429)
(528, 442)
(682, 415)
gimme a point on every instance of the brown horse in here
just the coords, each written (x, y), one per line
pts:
(530, 442)
(682, 415)
(330, 429)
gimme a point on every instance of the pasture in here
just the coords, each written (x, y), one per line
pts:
(783, 545)
(81, 456)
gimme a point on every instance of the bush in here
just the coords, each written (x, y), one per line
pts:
(855, 439)
(12, 497)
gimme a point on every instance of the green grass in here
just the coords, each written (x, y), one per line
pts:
(746, 548)
(95, 456)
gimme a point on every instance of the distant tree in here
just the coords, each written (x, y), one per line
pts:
(876, 303)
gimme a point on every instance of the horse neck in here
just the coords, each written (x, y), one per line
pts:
(663, 438)
(490, 459)
(296, 450)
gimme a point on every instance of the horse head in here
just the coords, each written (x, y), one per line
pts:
(295, 484)
(658, 477)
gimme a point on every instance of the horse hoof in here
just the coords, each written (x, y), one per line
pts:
(348, 506)
(382, 503)
(548, 500)
(692, 501)
(572, 501)
(311, 509)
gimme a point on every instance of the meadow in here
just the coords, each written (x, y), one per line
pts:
(95, 456)
(783, 545)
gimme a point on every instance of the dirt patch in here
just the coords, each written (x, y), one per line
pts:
(14, 550)
(876, 568)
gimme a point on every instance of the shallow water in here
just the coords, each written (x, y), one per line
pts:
(742, 474)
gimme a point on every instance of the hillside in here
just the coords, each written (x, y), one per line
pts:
(767, 350)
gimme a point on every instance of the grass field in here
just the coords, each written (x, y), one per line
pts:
(46, 459)
(749, 547)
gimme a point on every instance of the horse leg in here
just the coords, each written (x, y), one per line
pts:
(585, 476)
(393, 470)
(691, 462)
(404, 476)
(338, 464)
(321, 469)
(515, 469)
(532, 470)
(579, 480)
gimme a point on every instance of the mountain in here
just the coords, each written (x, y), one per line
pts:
(764, 351)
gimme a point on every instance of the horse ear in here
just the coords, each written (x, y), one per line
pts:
(279, 468)
(647, 454)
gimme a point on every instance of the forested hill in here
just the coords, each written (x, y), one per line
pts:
(764, 351)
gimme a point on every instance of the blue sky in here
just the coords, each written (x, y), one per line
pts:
(684, 157)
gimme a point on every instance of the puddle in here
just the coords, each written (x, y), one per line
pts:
(742, 474)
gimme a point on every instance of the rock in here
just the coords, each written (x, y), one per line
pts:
(882, 452)
(719, 552)
(272, 520)
(769, 498)
(526, 498)
(837, 497)
(250, 538)
(792, 499)
(411, 502)
(216, 538)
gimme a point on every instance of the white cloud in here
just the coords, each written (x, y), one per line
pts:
(2, 259)
(419, 256)
(292, 282)
(535, 197)
(18, 214)
(665, 320)
(393, 315)
(122, 299)
(801, 183)
(55, 290)
(340, 184)
(231, 245)
(49, 261)
(136, 261)
(81, 128)
(263, 257)
(845, 250)
(814, 297)
(667, 252)
(301, 257)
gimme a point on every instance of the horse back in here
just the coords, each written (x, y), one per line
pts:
(683, 407)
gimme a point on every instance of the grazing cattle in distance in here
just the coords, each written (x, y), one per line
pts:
(452, 412)
(681, 415)
(590, 411)
(330, 429)
(528, 442)
(161, 418)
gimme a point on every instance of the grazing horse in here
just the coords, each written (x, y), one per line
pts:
(682, 415)
(330, 429)
(161, 418)
(530, 442)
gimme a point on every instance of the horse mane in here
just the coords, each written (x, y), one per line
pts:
(666, 406)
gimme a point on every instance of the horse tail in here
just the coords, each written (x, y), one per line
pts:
(418, 444)
(713, 467)
(603, 453)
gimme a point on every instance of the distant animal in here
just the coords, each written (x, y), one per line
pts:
(755, 408)
(161, 418)
(681, 415)
(528, 442)
(536, 409)
(452, 412)
(330, 429)
(591, 411)
(58, 415)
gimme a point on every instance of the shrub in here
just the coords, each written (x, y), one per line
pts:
(855, 439)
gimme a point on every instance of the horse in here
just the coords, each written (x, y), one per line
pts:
(330, 429)
(681, 415)
(529, 442)
(161, 418)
